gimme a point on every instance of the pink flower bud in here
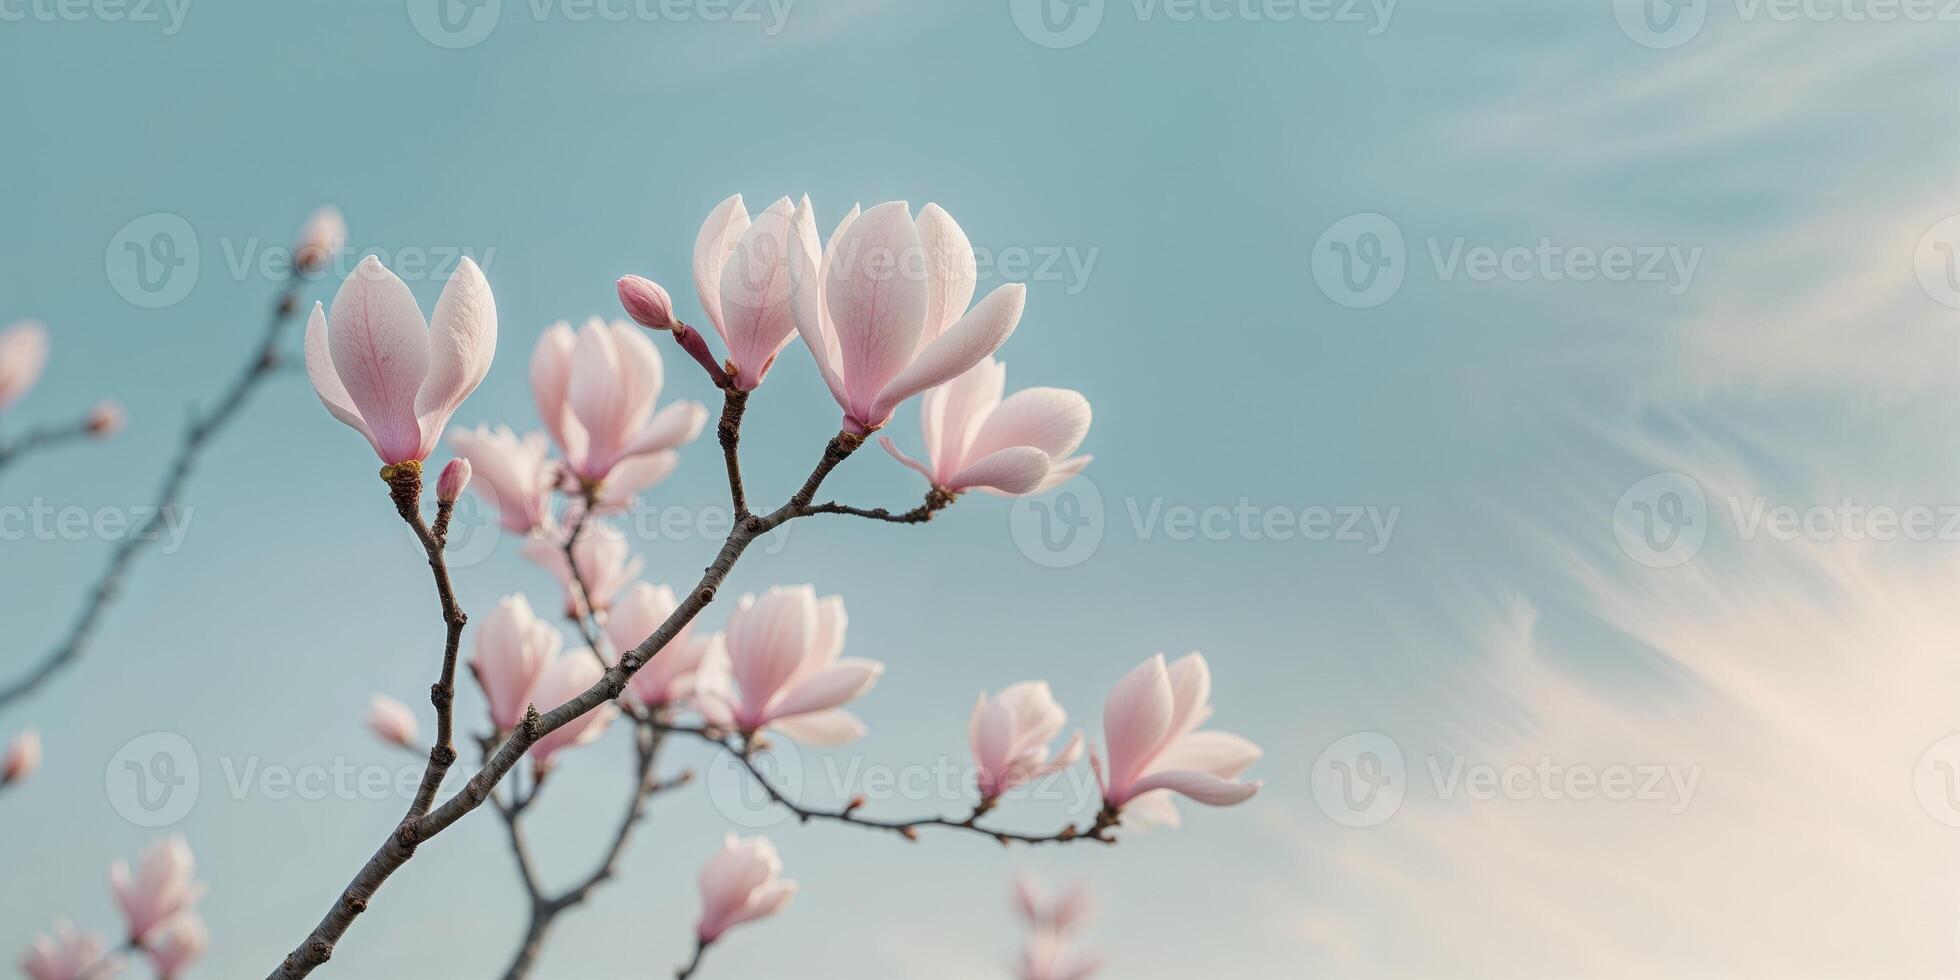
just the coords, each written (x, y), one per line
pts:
(454, 478)
(22, 757)
(324, 234)
(391, 721)
(106, 419)
(647, 303)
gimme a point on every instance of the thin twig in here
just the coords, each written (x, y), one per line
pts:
(693, 962)
(405, 488)
(43, 437)
(734, 403)
(264, 362)
(744, 748)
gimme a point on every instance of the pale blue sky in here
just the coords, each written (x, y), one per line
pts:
(1188, 169)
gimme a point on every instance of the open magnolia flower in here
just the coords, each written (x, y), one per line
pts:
(567, 676)
(65, 954)
(395, 378)
(881, 309)
(741, 269)
(161, 888)
(976, 440)
(743, 882)
(669, 676)
(178, 944)
(1061, 914)
(512, 648)
(1009, 735)
(605, 564)
(1150, 722)
(23, 355)
(510, 472)
(777, 668)
(596, 390)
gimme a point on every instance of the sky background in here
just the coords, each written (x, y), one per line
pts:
(1191, 187)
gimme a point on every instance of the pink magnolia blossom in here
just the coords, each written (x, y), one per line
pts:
(605, 564)
(669, 676)
(391, 721)
(567, 676)
(514, 474)
(647, 302)
(513, 646)
(1150, 722)
(778, 668)
(884, 310)
(64, 954)
(455, 476)
(161, 888)
(742, 271)
(975, 439)
(1047, 957)
(396, 379)
(177, 944)
(742, 883)
(106, 419)
(23, 354)
(1060, 914)
(633, 477)
(1009, 736)
(22, 758)
(320, 239)
(596, 390)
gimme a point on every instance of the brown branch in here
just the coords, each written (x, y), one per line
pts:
(264, 362)
(744, 747)
(693, 962)
(405, 488)
(43, 437)
(936, 501)
(729, 429)
(400, 846)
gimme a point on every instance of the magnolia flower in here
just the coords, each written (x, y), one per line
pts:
(394, 378)
(1150, 722)
(106, 419)
(669, 676)
(23, 353)
(605, 564)
(564, 678)
(64, 954)
(777, 667)
(391, 721)
(633, 477)
(977, 440)
(161, 888)
(742, 270)
(595, 391)
(22, 757)
(1009, 736)
(1047, 957)
(319, 240)
(512, 648)
(178, 944)
(514, 474)
(881, 311)
(455, 476)
(1060, 914)
(742, 883)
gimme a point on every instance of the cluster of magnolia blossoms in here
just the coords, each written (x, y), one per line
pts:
(885, 307)
(157, 900)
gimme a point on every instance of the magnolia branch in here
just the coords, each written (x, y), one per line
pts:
(745, 748)
(264, 363)
(44, 437)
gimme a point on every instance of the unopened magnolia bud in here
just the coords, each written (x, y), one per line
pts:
(910, 833)
(454, 478)
(106, 419)
(22, 757)
(647, 303)
(322, 236)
